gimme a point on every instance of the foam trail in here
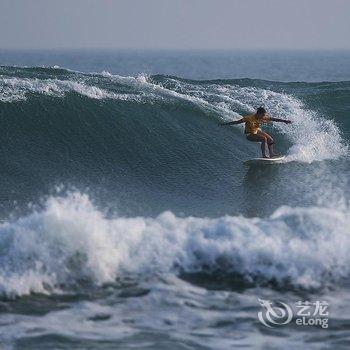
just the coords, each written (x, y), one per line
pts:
(70, 241)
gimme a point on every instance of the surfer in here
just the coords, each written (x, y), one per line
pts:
(254, 133)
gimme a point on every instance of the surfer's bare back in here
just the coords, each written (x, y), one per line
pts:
(254, 133)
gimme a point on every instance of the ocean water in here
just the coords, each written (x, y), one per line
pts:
(128, 217)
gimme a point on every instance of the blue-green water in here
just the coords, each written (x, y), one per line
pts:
(129, 219)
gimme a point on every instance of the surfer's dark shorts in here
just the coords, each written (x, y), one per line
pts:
(270, 141)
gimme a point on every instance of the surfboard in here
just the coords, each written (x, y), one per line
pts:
(264, 160)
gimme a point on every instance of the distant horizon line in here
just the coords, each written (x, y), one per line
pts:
(85, 48)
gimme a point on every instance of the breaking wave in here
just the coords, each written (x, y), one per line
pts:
(70, 242)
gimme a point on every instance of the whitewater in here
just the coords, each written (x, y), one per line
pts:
(70, 242)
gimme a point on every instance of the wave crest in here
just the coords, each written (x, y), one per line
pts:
(311, 137)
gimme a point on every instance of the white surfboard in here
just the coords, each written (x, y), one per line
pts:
(264, 160)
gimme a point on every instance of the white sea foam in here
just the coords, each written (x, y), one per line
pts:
(71, 241)
(17, 89)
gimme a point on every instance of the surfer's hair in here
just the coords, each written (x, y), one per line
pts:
(261, 110)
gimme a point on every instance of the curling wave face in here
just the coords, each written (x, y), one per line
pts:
(311, 137)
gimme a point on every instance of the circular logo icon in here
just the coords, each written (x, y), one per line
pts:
(274, 315)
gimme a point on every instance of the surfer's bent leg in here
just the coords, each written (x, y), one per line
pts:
(259, 138)
(270, 143)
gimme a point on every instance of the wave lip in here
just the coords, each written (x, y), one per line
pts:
(71, 241)
(16, 89)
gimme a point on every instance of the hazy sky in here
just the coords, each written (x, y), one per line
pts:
(228, 24)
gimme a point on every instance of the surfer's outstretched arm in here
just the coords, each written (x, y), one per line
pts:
(233, 123)
(278, 120)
